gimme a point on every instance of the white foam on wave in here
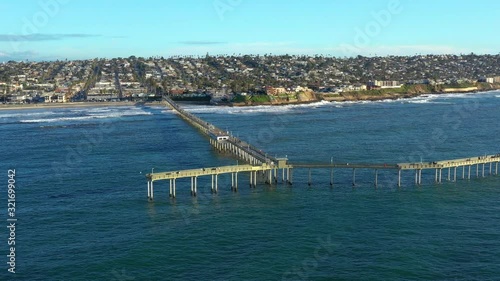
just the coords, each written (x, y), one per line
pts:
(92, 114)
(119, 113)
(156, 106)
(51, 120)
(253, 109)
(420, 101)
(99, 110)
(27, 114)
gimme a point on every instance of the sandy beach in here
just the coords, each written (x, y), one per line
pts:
(72, 104)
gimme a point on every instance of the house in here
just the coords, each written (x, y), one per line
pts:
(384, 84)
(359, 87)
(302, 89)
(271, 91)
(495, 79)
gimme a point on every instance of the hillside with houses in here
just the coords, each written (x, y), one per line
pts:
(240, 78)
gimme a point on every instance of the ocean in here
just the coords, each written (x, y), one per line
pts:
(82, 211)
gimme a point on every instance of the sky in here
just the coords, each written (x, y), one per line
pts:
(75, 29)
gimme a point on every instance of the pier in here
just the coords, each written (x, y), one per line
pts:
(265, 171)
(270, 169)
(222, 140)
(482, 165)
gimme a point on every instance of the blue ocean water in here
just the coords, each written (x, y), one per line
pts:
(83, 214)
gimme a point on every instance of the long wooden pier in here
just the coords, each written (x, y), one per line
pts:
(222, 140)
(269, 168)
(214, 172)
(438, 166)
(271, 172)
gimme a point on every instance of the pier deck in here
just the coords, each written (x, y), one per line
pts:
(271, 171)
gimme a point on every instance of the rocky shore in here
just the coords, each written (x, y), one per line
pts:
(373, 95)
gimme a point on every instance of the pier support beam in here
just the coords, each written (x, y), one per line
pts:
(192, 186)
(195, 186)
(496, 169)
(376, 177)
(455, 175)
(173, 188)
(149, 190)
(483, 169)
(440, 175)
(152, 191)
(216, 184)
(463, 172)
(470, 167)
(170, 189)
(235, 188)
(255, 179)
(436, 178)
(399, 178)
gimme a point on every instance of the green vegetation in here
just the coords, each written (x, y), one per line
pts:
(252, 99)
(239, 98)
(260, 98)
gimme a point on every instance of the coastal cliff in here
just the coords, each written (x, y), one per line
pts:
(406, 91)
(290, 98)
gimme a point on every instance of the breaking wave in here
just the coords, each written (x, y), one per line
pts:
(90, 114)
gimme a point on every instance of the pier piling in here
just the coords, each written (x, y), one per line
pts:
(152, 190)
(149, 190)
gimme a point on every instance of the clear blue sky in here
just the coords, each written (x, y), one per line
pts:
(74, 29)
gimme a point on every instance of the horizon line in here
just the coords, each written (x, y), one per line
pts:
(251, 55)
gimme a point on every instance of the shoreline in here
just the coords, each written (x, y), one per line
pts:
(72, 105)
(345, 97)
(353, 97)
